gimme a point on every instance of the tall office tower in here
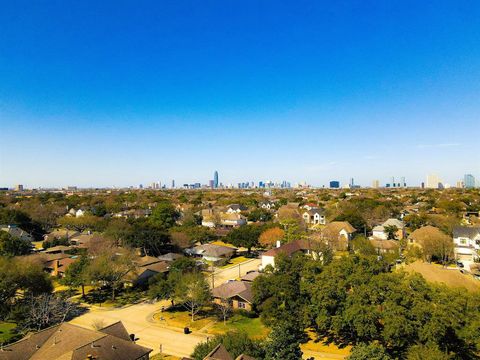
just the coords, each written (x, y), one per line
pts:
(469, 181)
(375, 184)
(334, 184)
(433, 182)
(215, 179)
(211, 184)
(18, 187)
(173, 184)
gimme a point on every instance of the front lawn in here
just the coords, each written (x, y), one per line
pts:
(180, 318)
(238, 322)
(6, 331)
(234, 261)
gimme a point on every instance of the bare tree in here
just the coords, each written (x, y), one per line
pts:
(225, 308)
(47, 309)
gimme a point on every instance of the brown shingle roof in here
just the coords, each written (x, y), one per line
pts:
(67, 341)
(116, 329)
(234, 288)
(219, 353)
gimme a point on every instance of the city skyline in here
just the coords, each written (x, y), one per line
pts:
(310, 92)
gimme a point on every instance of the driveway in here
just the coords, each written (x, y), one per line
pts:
(220, 276)
(136, 320)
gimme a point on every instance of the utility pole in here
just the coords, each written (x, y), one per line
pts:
(239, 271)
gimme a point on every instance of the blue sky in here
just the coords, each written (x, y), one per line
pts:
(100, 93)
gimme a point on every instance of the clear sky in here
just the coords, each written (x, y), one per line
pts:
(103, 93)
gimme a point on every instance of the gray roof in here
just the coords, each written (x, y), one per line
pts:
(466, 231)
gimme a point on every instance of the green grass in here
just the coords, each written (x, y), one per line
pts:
(6, 331)
(252, 326)
(234, 261)
(181, 318)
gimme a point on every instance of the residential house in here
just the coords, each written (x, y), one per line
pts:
(466, 240)
(380, 233)
(232, 219)
(58, 267)
(268, 257)
(221, 353)
(238, 293)
(267, 205)
(310, 206)
(80, 213)
(145, 272)
(383, 246)
(236, 208)
(337, 234)
(66, 341)
(86, 240)
(170, 257)
(314, 216)
(60, 234)
(16, 232)
(59, 249)
(418, 237)
(250, 276)
(211, 252)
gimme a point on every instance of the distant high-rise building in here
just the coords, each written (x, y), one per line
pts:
(469, 181)
(215, 179)
(375, 184)
(334, 184)
(433, 182)
(211, 184)
(460, 184)
(403, 183)
(352, 182)
(18, 187)
(173, 184)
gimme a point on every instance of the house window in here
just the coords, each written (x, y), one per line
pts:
(463, 242)
(241, 305)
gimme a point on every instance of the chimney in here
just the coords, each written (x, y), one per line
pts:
(56, 265)
(279, 243)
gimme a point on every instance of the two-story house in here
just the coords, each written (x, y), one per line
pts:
(466, 240)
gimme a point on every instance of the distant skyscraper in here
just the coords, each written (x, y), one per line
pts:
(334, 184)
(403, 183)
(19, 187)
(375, 184)
(352, 183)
(469, 181)
(173, 184)
(215, 179)
(211, 183)
(433, 182)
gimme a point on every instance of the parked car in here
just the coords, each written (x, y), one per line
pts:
(460, 264)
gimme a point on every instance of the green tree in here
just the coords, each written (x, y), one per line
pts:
(371, 351)
(391, 231)
(245, 236)
(12, 246)
(236, 343)
(284, 342)
(430, 352)
(193, 292)
(77, 274)
(164, 215)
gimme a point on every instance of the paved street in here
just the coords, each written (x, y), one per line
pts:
(136, 320)
(223, 275)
